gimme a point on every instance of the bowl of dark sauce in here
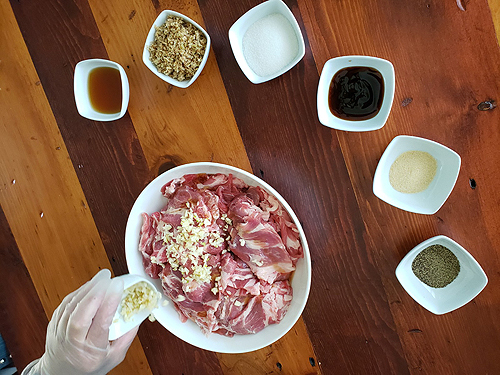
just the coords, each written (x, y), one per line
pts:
(355, 93)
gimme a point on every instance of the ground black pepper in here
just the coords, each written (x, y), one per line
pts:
(436, 266)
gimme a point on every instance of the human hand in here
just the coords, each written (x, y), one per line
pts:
(77, 336)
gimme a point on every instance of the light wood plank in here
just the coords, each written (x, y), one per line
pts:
(495, 14)
(45, 207)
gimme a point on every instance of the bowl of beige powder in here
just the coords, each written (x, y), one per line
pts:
(416, 174)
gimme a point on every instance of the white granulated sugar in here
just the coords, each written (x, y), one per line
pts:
(270, 44)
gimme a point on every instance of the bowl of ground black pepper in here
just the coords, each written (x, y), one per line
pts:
(416, 174)
(441, 275)
(176, 49)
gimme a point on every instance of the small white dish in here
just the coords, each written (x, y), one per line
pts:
(330, 68)
(81, 89)
(160, 20)
(431, 199)
(151, 200)
(239, 28)
(470, 281)
(119, 326)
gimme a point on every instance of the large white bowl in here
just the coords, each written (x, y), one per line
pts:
(151, 200)
(160, 20)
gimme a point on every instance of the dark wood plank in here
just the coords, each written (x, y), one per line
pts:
(107, 157)
(348, 317)
(22, 318)
(445, 61)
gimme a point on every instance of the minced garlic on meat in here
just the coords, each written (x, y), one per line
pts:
(187, 247)
(138, 297)
(178, 48)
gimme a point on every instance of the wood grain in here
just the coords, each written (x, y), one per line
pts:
(174, 125)
(48, 213)
(293, 354)
(348, 321)
(495, 14)
(445, 71)
(84, 176)
(19, 299)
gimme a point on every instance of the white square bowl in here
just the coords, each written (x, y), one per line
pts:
(330, 68)
(470, 281)
(119, 325)
(431, 199)
(240, 27)
(160, 20)
(81, 89)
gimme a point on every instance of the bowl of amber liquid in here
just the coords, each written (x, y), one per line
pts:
(355, 93)
(101, 90)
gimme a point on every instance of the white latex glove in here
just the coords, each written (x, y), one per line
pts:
(77, 335)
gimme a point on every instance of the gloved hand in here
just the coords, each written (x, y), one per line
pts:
(77, 335)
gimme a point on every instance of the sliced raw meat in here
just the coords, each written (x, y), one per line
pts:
(224, 252)
(256, 242)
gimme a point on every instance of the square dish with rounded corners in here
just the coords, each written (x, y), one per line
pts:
(119, 326)
(470, 281)
(240, 27)
(330, 68)
(151, 200)
(81, 89)
(431, 199)
(160, 20)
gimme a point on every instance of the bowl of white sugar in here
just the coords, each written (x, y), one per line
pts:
(416, 174)
(267, 41)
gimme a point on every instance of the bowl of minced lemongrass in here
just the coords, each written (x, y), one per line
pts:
(176, 49)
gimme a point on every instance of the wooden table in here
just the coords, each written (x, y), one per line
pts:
(67, 184)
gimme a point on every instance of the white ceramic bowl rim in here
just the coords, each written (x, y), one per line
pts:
(151, 200)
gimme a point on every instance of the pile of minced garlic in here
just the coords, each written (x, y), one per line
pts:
(178, 48)
(138, 297)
